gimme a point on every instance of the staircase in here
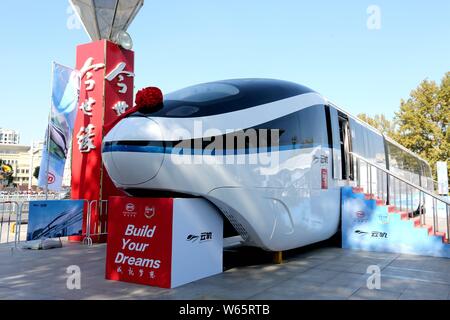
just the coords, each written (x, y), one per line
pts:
(396, 214)
(390, 214)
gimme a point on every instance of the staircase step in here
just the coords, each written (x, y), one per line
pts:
(416, 222)
(380, 202)
(443, 235)
(404, 215)
(391, 208)
(429, 228)
(357, 190)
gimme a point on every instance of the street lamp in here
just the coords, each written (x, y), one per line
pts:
(108, 19)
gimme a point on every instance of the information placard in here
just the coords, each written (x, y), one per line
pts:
(163, 242)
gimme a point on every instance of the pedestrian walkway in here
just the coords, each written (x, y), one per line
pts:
(317, 273)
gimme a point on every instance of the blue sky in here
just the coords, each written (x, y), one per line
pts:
(325, 45)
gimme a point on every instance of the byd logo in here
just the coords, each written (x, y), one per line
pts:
(51, 178)
(149, 212)
(130, 207)
(360, 214)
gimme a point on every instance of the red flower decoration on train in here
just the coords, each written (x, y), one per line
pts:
(149, 98)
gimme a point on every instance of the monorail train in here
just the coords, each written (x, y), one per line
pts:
(271, 155)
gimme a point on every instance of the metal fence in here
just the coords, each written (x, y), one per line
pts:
(26, 197)
(99, 208)
(9, 221)
(14, 219)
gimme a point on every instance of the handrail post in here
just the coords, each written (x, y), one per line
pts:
(448, 222)
(1, 221)
(435, 215)
(18, 224)
(367, 177)
(87, 239)
(422, 217)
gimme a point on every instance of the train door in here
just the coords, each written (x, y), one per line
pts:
(346, 147)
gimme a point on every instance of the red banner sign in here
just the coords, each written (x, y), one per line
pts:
(106, 93)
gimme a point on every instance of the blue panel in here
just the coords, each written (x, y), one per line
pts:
(366, 226)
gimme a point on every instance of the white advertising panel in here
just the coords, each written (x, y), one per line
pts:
(197, 241)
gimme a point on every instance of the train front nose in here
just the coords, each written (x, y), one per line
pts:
(133, 151)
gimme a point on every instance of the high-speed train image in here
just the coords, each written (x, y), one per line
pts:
(271, 155)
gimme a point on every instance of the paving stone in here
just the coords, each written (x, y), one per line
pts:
(317, 275)
(367, 294)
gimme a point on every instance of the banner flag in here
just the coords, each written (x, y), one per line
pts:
(65, 92)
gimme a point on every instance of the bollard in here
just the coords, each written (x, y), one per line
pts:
(278, 257)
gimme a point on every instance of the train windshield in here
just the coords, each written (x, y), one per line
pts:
(207, 92)
(225, 96)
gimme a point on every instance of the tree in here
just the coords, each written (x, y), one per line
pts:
(423, 121)
(380, 122)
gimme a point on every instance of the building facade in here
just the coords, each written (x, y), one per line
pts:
(24, 160)
(8, 136)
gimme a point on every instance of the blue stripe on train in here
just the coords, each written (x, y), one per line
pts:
(181, 151)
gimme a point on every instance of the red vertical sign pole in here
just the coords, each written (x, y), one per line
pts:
(106, 92)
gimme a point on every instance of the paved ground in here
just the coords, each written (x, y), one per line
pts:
(312, 273)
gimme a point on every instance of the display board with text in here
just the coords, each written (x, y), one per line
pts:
(163, 242)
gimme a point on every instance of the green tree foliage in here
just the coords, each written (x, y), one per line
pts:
(423, 121)
(380, 122)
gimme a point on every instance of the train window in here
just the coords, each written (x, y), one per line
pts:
(304, 129)
(287, 127)
(313, 126)
(206, 92)
(368, 143)
(405, 164)
(182, 111)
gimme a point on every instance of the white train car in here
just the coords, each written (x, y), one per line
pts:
(270, 154)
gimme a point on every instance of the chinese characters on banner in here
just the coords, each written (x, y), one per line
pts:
(106, 92)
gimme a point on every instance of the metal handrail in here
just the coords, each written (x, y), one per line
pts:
(98, 205)
(401, 179)
(408, 193)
